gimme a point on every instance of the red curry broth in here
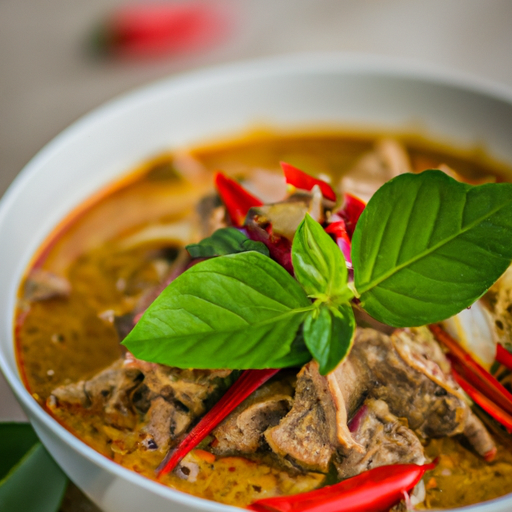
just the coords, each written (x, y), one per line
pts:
(60, 341)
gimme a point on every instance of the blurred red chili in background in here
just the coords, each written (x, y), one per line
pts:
(146, 30)
(303, 181)
(235, 198)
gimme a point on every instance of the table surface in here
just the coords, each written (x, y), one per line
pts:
(49, 78)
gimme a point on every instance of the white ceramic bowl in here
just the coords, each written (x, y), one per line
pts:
(286, 92)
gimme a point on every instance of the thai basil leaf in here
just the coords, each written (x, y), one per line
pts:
(329, 334)
(225, 241)
(427, 246)
(318, 263)
(31, 481)
(238, 311)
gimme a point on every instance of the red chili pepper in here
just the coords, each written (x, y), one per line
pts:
(300, 179)
(491, 454)
(485, 403)
(339, 231)
(351, 211)
(157, 29)
(235, 198)
(249, 381)
(503, 356)
(376, 490)
(478, 376)
(280, 248)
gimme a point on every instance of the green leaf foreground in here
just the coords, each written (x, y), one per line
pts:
(225, 241)
(238, 311)
(321, 269)
(329, 334)
(30, 480)
(427, 246)
(318, 263)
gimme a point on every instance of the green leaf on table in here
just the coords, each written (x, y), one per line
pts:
(329, 334)
(16, 439)
(427, 246)
(30, 481)
(318, 263)
(237, 311)
(225, 241)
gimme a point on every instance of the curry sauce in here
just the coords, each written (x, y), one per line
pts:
(119, 248)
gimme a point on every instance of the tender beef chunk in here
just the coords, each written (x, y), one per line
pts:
(385, 439)
(108, 391)
(194, 389)
(406, 371)
(348, 384)
(165, 421)
(308, 432)
(242, 431)
(165, 400)
(410, 383)
(479, 438)
(43, 285)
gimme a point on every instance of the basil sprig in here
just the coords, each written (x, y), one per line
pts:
(425, 247)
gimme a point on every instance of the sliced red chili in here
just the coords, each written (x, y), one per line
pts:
(304, 181)
(236, 199)
(153, 29)
(478, 376)
(351, 211)
(491, 454)
(280, 248)
(376, 490)
(338, 229)
(503, 356)
(247, 383)
(485, 403)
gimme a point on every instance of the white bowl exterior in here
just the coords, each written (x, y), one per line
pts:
(282, 93)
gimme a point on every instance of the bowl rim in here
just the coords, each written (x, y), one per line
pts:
(312, 63)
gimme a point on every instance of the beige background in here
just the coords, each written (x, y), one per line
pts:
(48, 79)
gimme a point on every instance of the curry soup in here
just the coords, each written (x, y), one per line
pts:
(98, 267)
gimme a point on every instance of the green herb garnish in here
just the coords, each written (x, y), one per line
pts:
(425, 247)
(223, 242)
(428, 246)
(237, 311)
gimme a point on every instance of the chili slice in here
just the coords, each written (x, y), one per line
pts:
(503, 356)
(485, 403)
(478, 376)
(236, 199)
(338, 229)
(248, 382)
(351, 211)
(304, 181)
(376, 490)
